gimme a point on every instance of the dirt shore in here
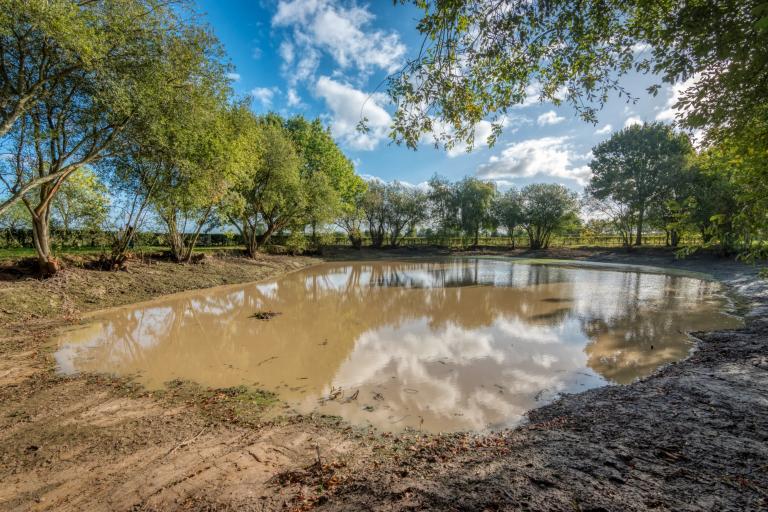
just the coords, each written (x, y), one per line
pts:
(692, 437)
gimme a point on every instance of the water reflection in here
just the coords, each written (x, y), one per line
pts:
(446, 345)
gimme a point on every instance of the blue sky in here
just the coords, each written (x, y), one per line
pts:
(325, 58)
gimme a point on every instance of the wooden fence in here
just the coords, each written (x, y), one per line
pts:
(83, 239)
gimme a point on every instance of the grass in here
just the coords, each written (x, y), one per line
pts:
(239, 404)
(29, 252)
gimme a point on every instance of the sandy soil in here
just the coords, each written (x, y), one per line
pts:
(692, 437)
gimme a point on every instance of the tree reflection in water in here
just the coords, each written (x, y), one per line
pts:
(444, 345)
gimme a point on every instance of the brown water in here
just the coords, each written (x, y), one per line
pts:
(444, 345)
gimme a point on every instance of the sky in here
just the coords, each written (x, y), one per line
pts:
(329, 59)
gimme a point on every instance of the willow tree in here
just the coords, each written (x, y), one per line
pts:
(546, 207)
(351, 213)
(405, 208)
(507, 211)
(115, 58)
(326, 170)
(194, 149)
(474, 201)
(269, 194)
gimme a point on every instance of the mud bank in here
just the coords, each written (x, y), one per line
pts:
(692, 437)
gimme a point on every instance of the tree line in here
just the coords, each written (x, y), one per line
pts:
(481, 58)
(133, 95)
(120, 111)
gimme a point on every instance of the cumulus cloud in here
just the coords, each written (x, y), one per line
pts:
(533, 95)
(293, 98)
(632, 120)
(343, 32)
(482, 131)
(423, 186)
(549, 118)
(348, 106)
(235, 77)
(604, 130)
(264, 95)
(546, 156)
(674, 93)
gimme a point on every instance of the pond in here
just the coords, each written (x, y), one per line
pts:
(441, 345)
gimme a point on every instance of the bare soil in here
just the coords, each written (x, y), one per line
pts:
(692, 437)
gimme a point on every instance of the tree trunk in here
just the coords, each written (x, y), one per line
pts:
(251, 245)
(674, 238)
(639, 235)
(355, 239)
(48, 265)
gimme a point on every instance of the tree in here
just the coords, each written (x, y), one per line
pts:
(443, 205)
(133, 177)
(269, 194)
(618, 215)
(712, 206)
(195, 153)
(507, 210)
(329, 174)
(82, 202)
(636, 167)
(374, 207)
(121, 57)
(479, 58)
(351, 215)
(14, 220)
(474, 199)
(405, 208)
(546, 207)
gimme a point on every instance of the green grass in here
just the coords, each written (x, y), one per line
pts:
(28, 252)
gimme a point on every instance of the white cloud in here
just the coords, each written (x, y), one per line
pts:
(256, 53)
(293, 98)
(549, 118)
(264, 95)
(533, 95)
(235, 77)
(675, 92)
(341, 31)
(640, 48)
(423, 186)
(482, 131)
(348, 106)
(547, 156)
(632, 120)
(286, 52)
(604, 130)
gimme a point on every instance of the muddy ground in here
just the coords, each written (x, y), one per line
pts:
(692, 437)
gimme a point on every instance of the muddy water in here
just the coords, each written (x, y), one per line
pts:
(444, 345)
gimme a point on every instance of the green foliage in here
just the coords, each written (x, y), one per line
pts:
(327, 172)
(82, 202)
(269, 194)
(474, 199)
(482, 57)
(637, 168)
(546, 208)
(443, 206)
(507, 211)
(405, 208)
(83, 74)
